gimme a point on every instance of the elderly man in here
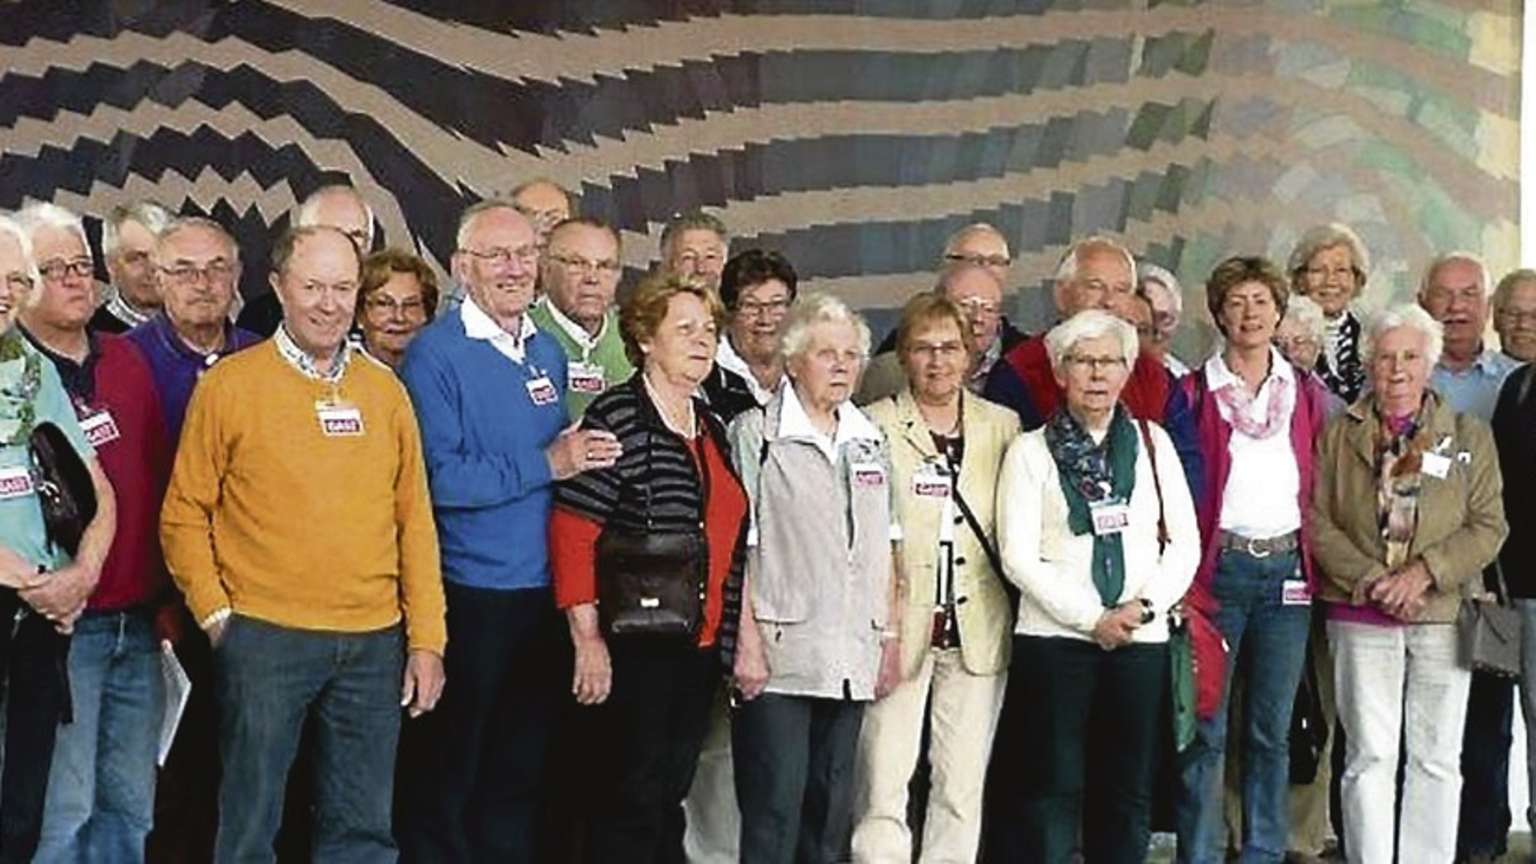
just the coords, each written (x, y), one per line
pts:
(1514, 314)
(321, 473)
(981, 245)
(128, 244)
(1469, 375)
(545, 203)
(335, 206)
(101, 786)
(1166, 298)
(489, 391)
(694, 247)
(579, 271)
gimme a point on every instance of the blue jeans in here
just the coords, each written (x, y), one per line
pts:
(1270, 639)
(269, 680)
(101, 786)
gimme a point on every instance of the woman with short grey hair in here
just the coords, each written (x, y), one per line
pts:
(1330, 264)
(1406, 512)
(819, 636)
(1097, 529)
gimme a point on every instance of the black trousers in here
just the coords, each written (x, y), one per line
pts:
(471, 772)
(35, 660)
(648, 735)
(1087, 737)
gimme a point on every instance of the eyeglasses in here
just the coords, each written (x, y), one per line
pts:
(215, 272)
(1095, 364)
(390, 307)
(57, 269)
(1517, 319)
(975, 306)
(605, 267)
(944, 350)
(755, 308)
(998, 261)
(502, 255)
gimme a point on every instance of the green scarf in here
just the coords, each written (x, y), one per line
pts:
(1090, 473)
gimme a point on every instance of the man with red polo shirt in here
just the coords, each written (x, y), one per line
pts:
(101, 786)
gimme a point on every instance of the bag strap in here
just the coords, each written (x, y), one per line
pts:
(1157, 484)
(987, 547)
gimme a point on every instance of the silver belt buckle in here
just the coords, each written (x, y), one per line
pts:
(1258, 548)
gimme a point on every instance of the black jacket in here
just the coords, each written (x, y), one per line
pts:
(1514, 422)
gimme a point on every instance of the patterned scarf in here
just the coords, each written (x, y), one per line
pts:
(21, 376)
(1344, 376)
(1399, 451)
(1091, 473)
(1239, 408)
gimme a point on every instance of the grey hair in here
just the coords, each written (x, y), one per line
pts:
(1450, 257)
(306, 214)
(1305, 311)
(473, 211)
(819, 308)
(1066, 271)
(1091, 324)
(9, 225)
(191, 223)
(45, 215)
(1149, 272)
(971, 230)
(1320, 237)
(152, 215)
(1507, 286)
(1404, 315)
(698, 220)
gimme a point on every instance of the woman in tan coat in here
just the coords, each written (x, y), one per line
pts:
(1407, 512)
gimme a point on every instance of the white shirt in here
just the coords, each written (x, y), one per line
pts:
(478, 325)
(727, 357)
(1260, 498)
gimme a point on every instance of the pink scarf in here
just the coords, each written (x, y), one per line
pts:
(1234, 397)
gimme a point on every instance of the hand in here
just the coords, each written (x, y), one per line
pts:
(1402, 593)
(1116, 626)
(751, 668)
(216, 632)
(62, 595)
(170, 623)
(423, 684)
(890, 667)
(576, 450)
(594, 671)
(18, 572)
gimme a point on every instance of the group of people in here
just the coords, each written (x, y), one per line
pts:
(708, 575)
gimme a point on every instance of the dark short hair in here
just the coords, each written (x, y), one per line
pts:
(378, 267)
(925, 309)
(1235, 271)
(283, 249)
(754, 267)
(646, 308)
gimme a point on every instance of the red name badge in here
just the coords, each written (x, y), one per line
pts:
(868, 475)
(340, 422)
(587, 378)
(100, 428)
(15, 483)
(929, 487)
(542, 391)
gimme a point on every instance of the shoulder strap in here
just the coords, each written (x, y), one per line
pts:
(972, 522)
(1157, 484)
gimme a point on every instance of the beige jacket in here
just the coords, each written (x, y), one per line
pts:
(1461, 516)
(982, 607)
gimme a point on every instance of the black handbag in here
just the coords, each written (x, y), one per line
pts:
(651, 583)
(63, 485)
(1309, 728)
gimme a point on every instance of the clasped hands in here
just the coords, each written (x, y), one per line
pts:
(1400, 593)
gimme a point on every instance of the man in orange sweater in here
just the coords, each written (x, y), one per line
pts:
(299, 528)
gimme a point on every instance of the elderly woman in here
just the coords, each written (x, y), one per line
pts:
(1166, 300)
(649, 656)
(1098, 531)
(1257, 417)
(1406, 512)
(1329, 264)
(396, 298)
(946, 448)
(44, 587)
(819, 631)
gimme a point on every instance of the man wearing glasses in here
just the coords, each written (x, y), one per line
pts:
(579, 272)
(1514, 314)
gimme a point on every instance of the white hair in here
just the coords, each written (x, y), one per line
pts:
(819, 308)
(1091, 324)
(972, 230)
(1404, 315)
(1149, 272)
(308, 212)
(473, 211)
(154, 217)
(193, 223)
(36, 216)
(11, 227)
(1305, 311)
(1450, 258)
(1320, 237)
(1066, 271)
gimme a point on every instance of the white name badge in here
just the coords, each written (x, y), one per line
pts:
(1109, 518)
(1436, 465)
(99, 428)
(1293, 592)
(867, 475)
(930, 485)
(542, 391)
(340, 421)
(586, 378)
(15, 483)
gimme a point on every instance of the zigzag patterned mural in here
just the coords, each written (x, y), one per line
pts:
(853, 135)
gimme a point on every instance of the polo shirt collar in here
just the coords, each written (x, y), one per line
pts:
(577, 333)
(126, 312)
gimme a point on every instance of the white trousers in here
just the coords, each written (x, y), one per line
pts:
(963, 719)
(1400, 684)
(714, 823)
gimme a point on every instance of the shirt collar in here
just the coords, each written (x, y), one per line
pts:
(1217, 375)
(1493, 363)
(795, 423)
(300, 360)
(587, 342)
(479, 325)
(126, 312)
(728, 358)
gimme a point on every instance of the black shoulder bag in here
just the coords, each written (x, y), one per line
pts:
(64, 487)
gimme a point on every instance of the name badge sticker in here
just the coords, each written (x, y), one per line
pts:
(1293, 592)
(15, 482)
(100, 428)
(1436, 465)
(542, 391)
(1109, 517)
(340, 421)
(586, 378)
(868, 475)
(930, 486)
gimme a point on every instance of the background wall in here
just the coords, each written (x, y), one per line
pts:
(853, 136)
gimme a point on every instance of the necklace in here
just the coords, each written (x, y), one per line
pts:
(18, 394)
(689, 424)
(954, 429)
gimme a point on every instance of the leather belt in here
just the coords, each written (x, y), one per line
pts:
(1259, 547)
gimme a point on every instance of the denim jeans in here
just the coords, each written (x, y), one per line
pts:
(1269, 638)
(101, 786)
(269, 680)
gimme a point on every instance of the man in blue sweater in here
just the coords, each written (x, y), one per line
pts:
(489, 391)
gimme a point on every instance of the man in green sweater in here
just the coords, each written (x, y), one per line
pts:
(579, 272)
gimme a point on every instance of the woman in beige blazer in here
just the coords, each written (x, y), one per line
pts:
(955, 619)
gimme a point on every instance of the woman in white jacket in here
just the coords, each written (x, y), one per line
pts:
(1098, 531)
